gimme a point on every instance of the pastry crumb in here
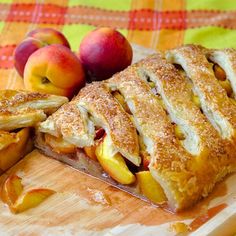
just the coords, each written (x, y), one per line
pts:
(99, 197)
(179, 228)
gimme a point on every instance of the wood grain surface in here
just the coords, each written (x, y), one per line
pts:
(84, 205)
(81, 202)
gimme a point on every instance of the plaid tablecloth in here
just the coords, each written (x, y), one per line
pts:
(158, 24)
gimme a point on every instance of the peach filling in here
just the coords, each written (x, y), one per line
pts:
(147, 185)
(14, 146)
(233, 101)
(221, 76)
(177, 129)
(219, 72)
(196, 100)
(227, 87)
(178, 132)
(144, 155)
(117, 95)
(113, 164)
(58, 144)
(90, 150)
(150, 188)
(160, 101)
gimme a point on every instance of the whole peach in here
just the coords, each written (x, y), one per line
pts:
(36, 39)
(54, 69)
(23, 51)
(103, 52)
(49, 36)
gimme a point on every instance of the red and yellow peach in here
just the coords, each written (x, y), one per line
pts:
(49, 36)
(54, 69)
(36, 39)
(103, 52)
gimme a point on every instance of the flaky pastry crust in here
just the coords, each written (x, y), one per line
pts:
(24, 109)
(188, 169)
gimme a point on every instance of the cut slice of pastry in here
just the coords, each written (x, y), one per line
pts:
(23, 109)
(163, 129)
(20, 110)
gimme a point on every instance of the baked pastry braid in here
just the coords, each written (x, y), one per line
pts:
(170, 160)
(96, 103)
(226, 59)
(19, 111)
(186, 168)
(72, 123)
(215, 103)
(108, 114)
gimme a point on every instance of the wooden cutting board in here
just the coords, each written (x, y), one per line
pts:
(84, 205)
(81, 203)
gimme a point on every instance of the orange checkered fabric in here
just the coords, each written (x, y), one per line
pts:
(157, 24)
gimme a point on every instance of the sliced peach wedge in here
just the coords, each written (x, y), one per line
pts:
(150, 188)
(113, 164)
(58, 144)
(30, 199)
(122, 101)
(15, 151)
(11, 189)
(17, 201)
(90, 151)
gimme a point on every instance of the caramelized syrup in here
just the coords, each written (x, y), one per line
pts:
(202, 219)
(200, 208)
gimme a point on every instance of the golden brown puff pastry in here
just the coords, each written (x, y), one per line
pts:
(215, 103)
(72, 123)
(226, 59)
(188, 178)
(95, 105)
(23, 109)
(7, 138)
(186, 169)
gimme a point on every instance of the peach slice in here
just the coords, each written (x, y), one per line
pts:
(114, 165)
(30, 199)
(150, 188)
(219, 72)
(7, 138)
(17, 201)
(152, 84)
(144, 154)
(145, 159)
(58, 144)
(233, 101)
(11, 189)
(196, 100)
(178, 132)
(90, 152)
(122, 102)
(226, 86)
(15, 151)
